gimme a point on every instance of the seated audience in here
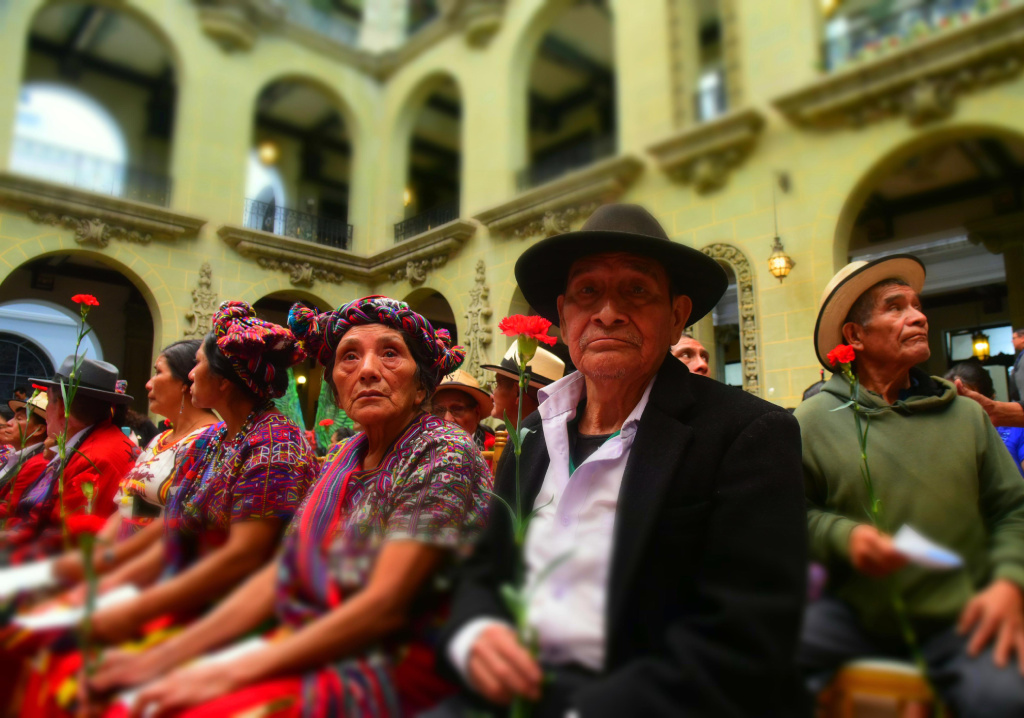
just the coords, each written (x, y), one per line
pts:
(545, 368)
(358, 584)
(460, 399)
(235, 488)
(938, 466)
(98, 453)
(974, 378)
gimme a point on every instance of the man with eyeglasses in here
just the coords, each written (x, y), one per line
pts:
(460, 400)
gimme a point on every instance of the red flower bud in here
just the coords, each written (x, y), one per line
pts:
(85, 524)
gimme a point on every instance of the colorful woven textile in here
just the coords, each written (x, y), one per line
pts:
(431, 487)
(319, 333)
(261, 475)
(245, 339)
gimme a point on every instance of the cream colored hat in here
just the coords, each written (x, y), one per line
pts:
(545, 367)
(464, 381)
(36, 403)
(845, 289)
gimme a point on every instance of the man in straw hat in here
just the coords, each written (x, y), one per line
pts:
(545, 368)
(98, 452)
(937, 465)
(25, 433)
(460, 400)
(669, 547)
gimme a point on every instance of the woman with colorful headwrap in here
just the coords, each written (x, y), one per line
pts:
(357, 590)
(235, 488)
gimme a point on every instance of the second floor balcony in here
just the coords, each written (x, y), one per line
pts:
(63, 165)
(420, 223)
(871, 33)
(328, 231)
(565, 160)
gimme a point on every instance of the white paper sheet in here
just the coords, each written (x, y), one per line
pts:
(70, 617)
(230, 653)
(29, 577)
(923, 551)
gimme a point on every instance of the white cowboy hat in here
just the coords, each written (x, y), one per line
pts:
(545, 367)
(845, 289)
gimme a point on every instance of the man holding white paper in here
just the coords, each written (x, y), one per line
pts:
(947, 488)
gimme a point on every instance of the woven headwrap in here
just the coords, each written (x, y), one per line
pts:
(244, 339)
(319, 334)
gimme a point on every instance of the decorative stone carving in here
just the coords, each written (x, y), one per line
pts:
(204, 305)
(308, 262)
(235, 24)
(478, 318)
(416, 270)
(479, 19)
(95, 218)
(91, 230)
(556, 206)
(921, 81)
(749, 351)
(301, 274)
(704, 154)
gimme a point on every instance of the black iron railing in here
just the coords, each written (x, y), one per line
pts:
(66, 166)
(299, 225)
(711, 100)
(566, 160)
(338, 28)
(442, 214)
(869, 33)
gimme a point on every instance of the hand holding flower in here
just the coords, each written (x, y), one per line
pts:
(872, 552)
(500, 668)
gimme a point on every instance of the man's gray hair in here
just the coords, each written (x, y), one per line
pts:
(860, 312)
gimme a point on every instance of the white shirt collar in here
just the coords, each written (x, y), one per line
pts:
(564, 396)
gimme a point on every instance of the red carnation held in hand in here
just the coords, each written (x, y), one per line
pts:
(842, 354)
(85, 524)
(530, 327)
(86, 299)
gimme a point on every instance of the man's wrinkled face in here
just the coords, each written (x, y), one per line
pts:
(618, 317)
(1018, 341)
(693, 354)
(896, 334)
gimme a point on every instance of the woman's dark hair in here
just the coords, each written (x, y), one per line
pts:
(221, 366)
(973, 374)
(181, 358)
(424, 372)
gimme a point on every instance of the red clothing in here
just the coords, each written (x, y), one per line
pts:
(34, 526)
(27, 475)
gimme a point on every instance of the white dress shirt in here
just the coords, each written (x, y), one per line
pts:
(567, 610)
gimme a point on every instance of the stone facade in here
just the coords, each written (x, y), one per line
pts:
(711, 186)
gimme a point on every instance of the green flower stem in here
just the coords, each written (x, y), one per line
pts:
(85, 630)
(862, 419)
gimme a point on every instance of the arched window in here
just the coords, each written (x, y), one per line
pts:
(63, 135)
(20, 360)
(263, 184)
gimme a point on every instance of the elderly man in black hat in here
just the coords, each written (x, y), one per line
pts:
(98, 453)
(672, 504)
(937, 466)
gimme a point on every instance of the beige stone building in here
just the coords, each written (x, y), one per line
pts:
(166, 155)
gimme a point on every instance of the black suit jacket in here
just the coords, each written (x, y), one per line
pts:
(709, 557)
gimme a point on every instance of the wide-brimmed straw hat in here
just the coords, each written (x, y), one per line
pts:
(543, 270)
(464, 381)
(97, 379)
(36, 403)
(845, 289)
(545, 367)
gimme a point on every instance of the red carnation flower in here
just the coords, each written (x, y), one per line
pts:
(86, 299)
(532, 327)
(842, 354)
(85, 524)
(326, 422)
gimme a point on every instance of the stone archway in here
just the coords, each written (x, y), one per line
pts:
(749, 345)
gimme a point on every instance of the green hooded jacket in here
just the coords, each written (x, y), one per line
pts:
(937, 464)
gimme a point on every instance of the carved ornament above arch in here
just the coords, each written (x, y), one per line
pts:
(750, 353)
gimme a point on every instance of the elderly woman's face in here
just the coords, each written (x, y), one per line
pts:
(375, 375)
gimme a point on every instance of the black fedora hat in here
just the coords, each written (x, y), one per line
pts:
(96, 379)
(542, 271)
